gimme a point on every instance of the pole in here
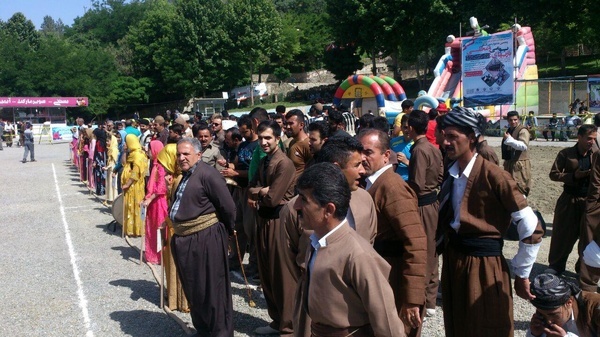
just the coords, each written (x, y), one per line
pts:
(549, 97)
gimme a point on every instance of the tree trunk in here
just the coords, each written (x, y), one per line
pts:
(374, 61)
(251, 84)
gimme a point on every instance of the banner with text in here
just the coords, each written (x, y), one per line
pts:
(594, 92)
(487, 64)
(42, 102)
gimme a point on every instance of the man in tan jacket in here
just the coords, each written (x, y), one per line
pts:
(294, 238)
(345, 287)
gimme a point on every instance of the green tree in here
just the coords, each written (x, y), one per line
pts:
(281, 74)
(49, 26)
(148, 50)
(19, 26)
(108, 20)
(342, 61)
(255, 29)
(199, 58)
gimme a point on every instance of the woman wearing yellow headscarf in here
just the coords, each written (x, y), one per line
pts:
(176, 299)
(133, 184)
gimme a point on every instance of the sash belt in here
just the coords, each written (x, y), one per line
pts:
(189, 227)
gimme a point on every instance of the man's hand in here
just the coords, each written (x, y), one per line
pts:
(537, 325)
(222, 161)
(579, 174)
(506, 135)
(263, 191)
(522, 288)
(252, 203)
(553, 330)
(410, 315)
(402, 158)
(228, 172)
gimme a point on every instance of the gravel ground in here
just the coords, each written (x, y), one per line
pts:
(66, 274)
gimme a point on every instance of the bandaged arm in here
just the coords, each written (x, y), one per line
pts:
(523, 261)
(515, 144)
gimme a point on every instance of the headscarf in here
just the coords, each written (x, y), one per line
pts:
(135, 154)
(155, 147)
(463, 117)
(123, 136)
(167, 157)
(551, 291)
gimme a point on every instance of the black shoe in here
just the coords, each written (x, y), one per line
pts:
(33, 160)
(23, 161)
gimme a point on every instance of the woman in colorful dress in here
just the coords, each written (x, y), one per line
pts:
(133, 185)
(100, 161)
(155, 203)
(112, 157)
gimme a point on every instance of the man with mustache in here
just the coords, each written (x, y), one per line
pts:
(401, 238)
(572, 167)
(344, 289)
(203, 216)
(269, 190)
(294, 237)
(478, 200)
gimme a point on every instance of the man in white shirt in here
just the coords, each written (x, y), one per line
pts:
(401, 238)
(345, 287)
(477, 202)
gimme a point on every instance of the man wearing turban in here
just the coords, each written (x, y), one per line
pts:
(478, 200)
(562, 309)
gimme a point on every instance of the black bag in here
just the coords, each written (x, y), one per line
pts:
(269, 212)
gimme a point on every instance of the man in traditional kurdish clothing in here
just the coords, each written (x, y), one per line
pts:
(345, 152)
(515, 152)
(589, 265)
(425, 174)
(344, 289)
(572, 167)
(268, 191)
(562, 309)
(477, 202)
(299, 149)
(401, 238)
(483, 149)
(203, 216)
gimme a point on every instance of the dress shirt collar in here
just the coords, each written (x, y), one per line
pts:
(322, 242)
(454, 170)
(373, 177)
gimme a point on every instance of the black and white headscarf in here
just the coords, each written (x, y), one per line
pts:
(460, 116)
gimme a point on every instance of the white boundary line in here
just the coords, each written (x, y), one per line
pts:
(80, 294)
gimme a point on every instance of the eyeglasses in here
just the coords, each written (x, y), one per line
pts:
(216, 124)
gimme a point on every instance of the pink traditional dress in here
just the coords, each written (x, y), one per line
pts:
(158, 208)
(90, 164)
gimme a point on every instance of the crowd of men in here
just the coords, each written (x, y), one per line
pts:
(344, 225)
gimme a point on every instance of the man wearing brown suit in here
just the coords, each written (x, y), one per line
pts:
(478, 200)
(425, 173)
(345, 287)
(294, 238)
(572, 167)
(269, 190)
(401, 238)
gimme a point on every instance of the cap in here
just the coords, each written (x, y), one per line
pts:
(179, 120)
(442, 107)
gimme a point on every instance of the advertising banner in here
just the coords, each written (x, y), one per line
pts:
(488, 76)
(42, 102)
(594, 92)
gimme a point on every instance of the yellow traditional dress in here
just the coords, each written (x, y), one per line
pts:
(176, 299)
(113, 156)
(135, 169)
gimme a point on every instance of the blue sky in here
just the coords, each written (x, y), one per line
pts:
(35, 10)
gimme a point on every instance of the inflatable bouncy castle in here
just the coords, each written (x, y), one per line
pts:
(450, 73)
(378, 94)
